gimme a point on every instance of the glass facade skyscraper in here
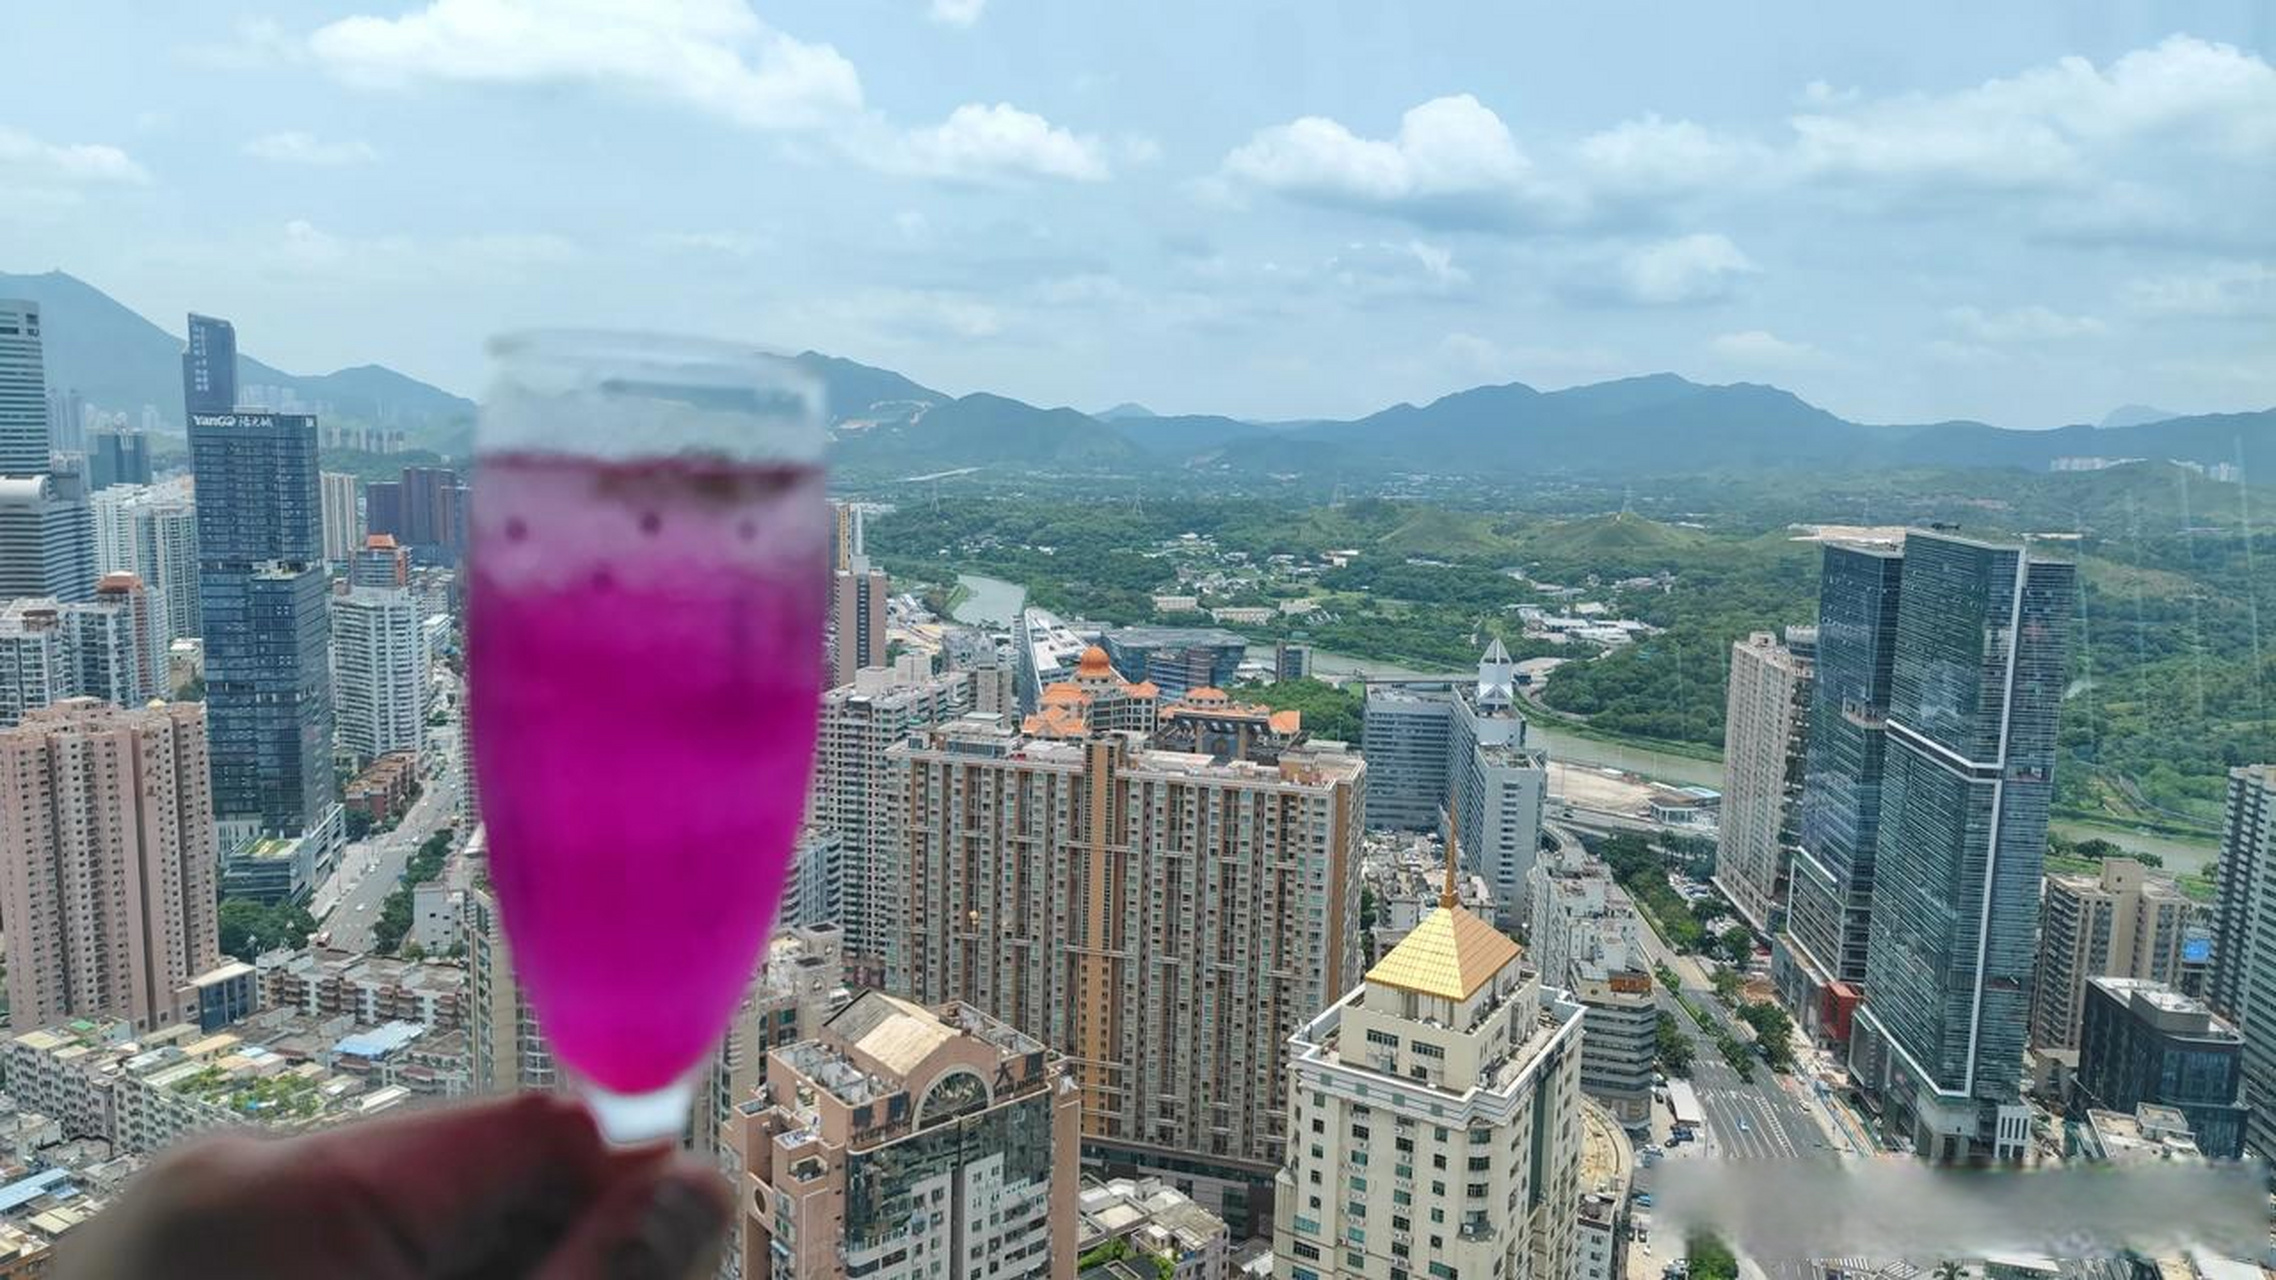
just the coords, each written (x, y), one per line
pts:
(47, 532)
(1831, 892)
(262, 590)
(1982, 641)
(209, 366)
(23, 391)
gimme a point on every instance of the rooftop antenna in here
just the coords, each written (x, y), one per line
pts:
(1448, 897)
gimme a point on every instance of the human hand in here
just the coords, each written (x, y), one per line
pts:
(516, 1188)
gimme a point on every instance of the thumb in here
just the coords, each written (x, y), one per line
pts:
(662, 1222)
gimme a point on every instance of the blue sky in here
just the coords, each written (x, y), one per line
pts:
(2023, 213)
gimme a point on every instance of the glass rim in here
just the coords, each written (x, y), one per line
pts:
(676, 350)
(567, 390)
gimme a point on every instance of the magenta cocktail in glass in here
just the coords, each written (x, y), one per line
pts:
(645, 637)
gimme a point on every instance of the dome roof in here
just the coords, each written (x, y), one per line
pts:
(1095, 664)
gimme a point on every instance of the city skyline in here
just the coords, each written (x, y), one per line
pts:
(1402, 226)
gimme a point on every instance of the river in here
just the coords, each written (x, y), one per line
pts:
(991, 602)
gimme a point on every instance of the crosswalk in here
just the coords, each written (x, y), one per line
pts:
(1870, 1269)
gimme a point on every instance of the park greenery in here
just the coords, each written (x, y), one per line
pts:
(1330, 711)
(2171, 683)
(395, 913)
(249, 928)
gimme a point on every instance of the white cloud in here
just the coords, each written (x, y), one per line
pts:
(2223, 289)
(2033, 323)
(1701, 267)
(979, 142)
(296, 147)
(1761, 348)
(1446, 149)
(2058, 124)
(1653, 155)
(28, 160)
(714, 55)
(956, 13)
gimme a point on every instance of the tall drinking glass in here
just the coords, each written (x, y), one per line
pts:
(644, 640)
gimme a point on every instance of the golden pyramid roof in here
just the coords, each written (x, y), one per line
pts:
(1450, 954)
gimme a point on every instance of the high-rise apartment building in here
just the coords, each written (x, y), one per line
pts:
(1406, 736)
(209, 366)
(379, 672)
(1434, 1118)
(1982, 638)
(2242, 983)
(2143, 1042)
(509, 1051)
(262, 592)
(130, 646)
(424, 510)
(107, 863)
(152, 533)
(35, 667)
(857, 622)
(1765, 728)
(995, 686)
(845, 535)
(1819, 961)
(1165, 919)
(343, 515)
(50, 650)
(117, 455)
(853, 789)
(1586, 939)
(2122, 923)
(907, 1143)
(800, 983)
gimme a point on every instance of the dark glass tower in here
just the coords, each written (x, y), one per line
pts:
(1982, 640)
(262, 589)
(119, 456)
(209, 366)
(1832, 888)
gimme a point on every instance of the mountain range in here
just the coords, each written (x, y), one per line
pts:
(119, 361)
(886, 425)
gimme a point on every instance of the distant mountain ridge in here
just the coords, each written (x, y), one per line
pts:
(886, 425)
